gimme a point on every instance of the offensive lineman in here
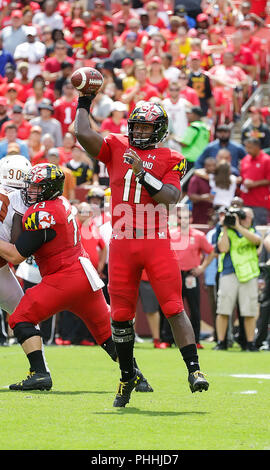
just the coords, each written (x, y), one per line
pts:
(132, 189)
(69, 280)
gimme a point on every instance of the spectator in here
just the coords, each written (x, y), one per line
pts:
(3, 111)
(33, 51)
(156, 46)
(199, 193)
(150, 307)
(224, 154)
(214, 45)
(24, 81)
(117, 122)
(245, 15)
(238, 281)
(134, 25)
(223, 184)
(67, 70)
(13, 90)
(65, 107)
(14, 34)
(243, 56)
(47, 122)
(128, 79)
(175, 106)
(5, 58)
(156, 76)
(23, 126)
(125, 13)
(47, 142)
(48, 16)
(142, 90)
(181, 12)
(222, 141)
(191, 266)
(170, 72)
(256, 129)
(186, 91)
(11, 137)
(10, 77)
(231, 77)
(101, 107)
(99, 15)
(34, 141)
(53, 157)
(196, 136)
(104, 44)
(52, 65)
(36, 94)
(153, 14)
(255, 188)
(128, 50)
(47, 39)
(91, 238)
(198, 80)
(81, 170)
(66, 149)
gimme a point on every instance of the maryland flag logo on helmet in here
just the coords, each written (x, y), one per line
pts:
(181, 167)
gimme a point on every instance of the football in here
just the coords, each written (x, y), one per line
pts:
(87, 80)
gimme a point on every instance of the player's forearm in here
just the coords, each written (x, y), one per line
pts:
(9, 252)
(90, 140)
(168, 195)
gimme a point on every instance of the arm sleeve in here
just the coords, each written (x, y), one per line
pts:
(30, 241)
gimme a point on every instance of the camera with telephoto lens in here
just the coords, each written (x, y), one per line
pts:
(230, 219)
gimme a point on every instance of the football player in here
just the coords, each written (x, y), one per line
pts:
(142, 175)
(69, 280)
(12, 171)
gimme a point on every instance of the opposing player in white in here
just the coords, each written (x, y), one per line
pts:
(12, 171)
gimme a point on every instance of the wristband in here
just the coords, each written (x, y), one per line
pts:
(85, 102)
(150, 183)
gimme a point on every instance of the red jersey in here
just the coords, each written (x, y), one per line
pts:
(145, 93)
(191, 256)
(129, 198)
(256, 169)
(91, 240)
(65, 111)
(64, 250)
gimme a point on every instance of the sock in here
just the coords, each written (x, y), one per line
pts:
(125, 355)
(190, 357)
(110, 349)
(36, 361)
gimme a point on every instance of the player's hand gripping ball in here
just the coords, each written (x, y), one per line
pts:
(87, 80)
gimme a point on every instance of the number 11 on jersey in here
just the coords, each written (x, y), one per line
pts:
(128, 178)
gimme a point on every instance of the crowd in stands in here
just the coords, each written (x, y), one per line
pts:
(201, 60)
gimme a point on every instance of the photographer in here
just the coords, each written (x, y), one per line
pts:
(239, 270)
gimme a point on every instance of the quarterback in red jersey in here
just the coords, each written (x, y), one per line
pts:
(144, 181)
(69, 280)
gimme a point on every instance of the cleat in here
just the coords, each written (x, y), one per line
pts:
(197, 381)
(143, 386)
(125, 389)
(34, 381)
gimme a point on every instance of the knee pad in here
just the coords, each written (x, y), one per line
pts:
(123, 332)
(24, 331)
(172, 308)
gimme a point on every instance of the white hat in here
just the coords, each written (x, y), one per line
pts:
(31, 31)
(119, 106)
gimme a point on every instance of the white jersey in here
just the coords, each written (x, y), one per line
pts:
(10, 289)
(10, 203)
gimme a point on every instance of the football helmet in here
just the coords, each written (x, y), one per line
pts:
(13, 169)
(148, 113)
(43, 182)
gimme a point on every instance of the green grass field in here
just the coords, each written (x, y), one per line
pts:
(77, 413)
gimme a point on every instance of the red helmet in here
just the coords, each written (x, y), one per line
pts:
(43, 182)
